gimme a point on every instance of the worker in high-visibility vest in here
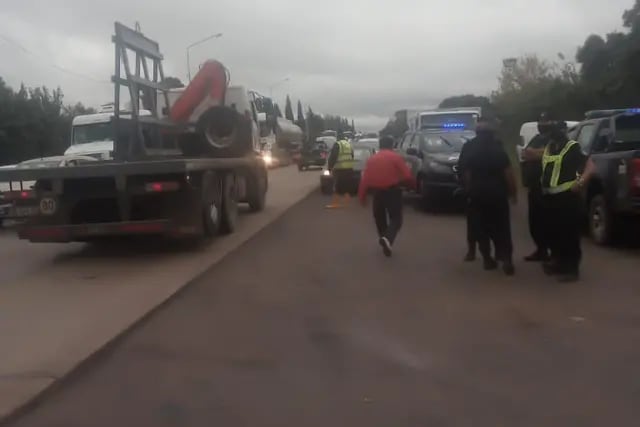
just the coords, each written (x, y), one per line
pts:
(565, 172)
(340, 164)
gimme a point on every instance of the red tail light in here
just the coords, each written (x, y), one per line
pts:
(19, 195)
(160, 187)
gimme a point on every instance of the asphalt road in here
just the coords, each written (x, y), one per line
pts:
(19, 258)
(309, 325)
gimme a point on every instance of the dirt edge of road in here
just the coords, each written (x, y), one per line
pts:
(103, 351)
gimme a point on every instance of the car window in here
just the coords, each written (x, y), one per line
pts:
(585, 136)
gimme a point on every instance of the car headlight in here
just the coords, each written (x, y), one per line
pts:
(267, 159)
(326, 173)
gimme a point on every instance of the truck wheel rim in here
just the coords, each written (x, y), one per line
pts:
(217, 141)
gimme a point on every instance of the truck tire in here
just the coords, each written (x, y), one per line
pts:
(602, 222)
(257, 185)
(221, 132)
(211, 204)
(229, 213)
(326, 187)
(426, 197)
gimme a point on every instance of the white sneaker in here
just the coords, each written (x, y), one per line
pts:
(386, 246)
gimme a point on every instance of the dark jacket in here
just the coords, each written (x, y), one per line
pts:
(483, 161)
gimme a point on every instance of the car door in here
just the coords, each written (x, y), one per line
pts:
(414, 146)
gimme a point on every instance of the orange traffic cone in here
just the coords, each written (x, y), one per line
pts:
(335, 202)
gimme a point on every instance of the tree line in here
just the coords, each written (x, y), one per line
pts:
(34, 122)
(311, 123)
(605, 73)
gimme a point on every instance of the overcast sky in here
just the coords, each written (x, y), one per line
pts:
(359, 58)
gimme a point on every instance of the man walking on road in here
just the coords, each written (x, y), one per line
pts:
(384, 175)
(531, 178)
(340, 165)
(490, 181)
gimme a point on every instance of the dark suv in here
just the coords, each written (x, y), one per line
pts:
(432, 155)
(612, 138)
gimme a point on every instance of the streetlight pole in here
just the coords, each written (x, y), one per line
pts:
(214, 36)
(278, 83)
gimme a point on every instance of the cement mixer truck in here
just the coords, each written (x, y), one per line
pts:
(178, 165)
(280, 138)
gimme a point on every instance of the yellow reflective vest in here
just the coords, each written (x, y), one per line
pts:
(345, 156)
(555, 161)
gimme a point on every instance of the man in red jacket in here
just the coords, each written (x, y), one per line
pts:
(384, 175)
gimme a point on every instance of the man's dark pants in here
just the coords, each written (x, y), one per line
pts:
(493, 221)
(472, 238)
(387, 212)
(563, 214)
(537, 227)
(343, 180)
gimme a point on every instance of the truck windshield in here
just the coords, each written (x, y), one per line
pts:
(92, 133)
(444, 142)
(628, 130)
(448, 121)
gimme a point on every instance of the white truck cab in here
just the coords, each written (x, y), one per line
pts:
(92, 135)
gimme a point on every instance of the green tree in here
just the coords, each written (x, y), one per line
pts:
(315, 125)
(397, 125)
(276, 110)
(173, 82)
(301, 121)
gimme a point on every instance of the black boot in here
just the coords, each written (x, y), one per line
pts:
(508, 268)
(489, 263)
(538, 256)
(470, 256)
(550, 268)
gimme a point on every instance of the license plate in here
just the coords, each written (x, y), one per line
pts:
(25, 211)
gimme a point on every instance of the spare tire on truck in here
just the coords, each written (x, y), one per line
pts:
(220, 132)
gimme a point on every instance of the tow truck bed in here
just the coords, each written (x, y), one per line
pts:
(114, 169)
(179, 197)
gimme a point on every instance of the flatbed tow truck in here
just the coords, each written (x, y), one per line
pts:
(179, 172)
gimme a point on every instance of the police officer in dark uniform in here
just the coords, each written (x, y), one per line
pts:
(565, 172)
(472, 238)
(490, 182)
(531, 175)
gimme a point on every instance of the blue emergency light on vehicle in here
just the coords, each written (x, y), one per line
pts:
(633, 111)
(453, 125)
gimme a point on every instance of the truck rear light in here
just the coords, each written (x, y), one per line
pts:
(19, 195)
(161, 187)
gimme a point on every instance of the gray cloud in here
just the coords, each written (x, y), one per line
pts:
(362, 58)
